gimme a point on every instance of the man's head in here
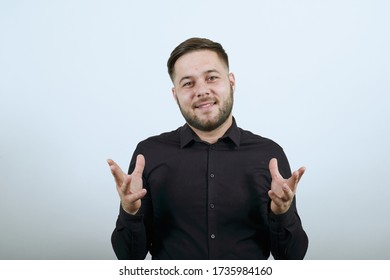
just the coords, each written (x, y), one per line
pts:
(203, 87)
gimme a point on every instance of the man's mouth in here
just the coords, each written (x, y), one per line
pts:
(205, 105)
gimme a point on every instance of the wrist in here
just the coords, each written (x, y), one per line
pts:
(129, 211)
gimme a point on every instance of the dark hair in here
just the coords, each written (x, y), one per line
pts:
(195, 44)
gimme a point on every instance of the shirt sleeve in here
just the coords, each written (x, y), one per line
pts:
(288, 239)
(131, 238)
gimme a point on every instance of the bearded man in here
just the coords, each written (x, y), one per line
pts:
(209, 189)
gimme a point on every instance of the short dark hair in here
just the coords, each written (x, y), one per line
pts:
(195, 44)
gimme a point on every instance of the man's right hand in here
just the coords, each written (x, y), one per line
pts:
(129, 187)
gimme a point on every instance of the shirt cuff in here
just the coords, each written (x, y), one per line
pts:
(127, 219)
(282, 221)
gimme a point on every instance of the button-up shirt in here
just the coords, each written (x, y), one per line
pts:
(209, 201)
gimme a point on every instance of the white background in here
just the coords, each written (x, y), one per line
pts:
(83, 81)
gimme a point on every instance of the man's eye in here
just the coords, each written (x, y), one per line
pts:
(212, 78)
(187, 84)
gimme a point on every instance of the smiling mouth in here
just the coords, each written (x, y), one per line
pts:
(205, 105)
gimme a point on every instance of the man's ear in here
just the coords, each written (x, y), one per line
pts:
(232, 80)
(174, 94)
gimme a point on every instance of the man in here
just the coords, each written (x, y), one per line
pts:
(208, 190)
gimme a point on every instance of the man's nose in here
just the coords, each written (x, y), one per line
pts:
(202, 89)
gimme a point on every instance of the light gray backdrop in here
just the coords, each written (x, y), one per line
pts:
(83, 81)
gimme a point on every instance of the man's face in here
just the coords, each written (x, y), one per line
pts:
(203, 89)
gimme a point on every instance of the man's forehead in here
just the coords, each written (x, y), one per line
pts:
(198, 62)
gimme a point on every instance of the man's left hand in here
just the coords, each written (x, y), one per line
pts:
(282, 190)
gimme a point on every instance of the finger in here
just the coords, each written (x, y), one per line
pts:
(295, 178)
(273, 168)
(124, 188)
(293, 183)
(288, 193)
(116, 171)
(272, 195)
(286, 196)
(131, 203)
(278, 205)
(137, 195)
(275, 198)
(139, 166)
(114, 165)
(301, 171)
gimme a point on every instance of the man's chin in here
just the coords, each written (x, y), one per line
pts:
(205, 124)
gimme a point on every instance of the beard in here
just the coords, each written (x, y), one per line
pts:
(210, 124)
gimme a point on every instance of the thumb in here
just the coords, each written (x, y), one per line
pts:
(273, 168)
(139, 166)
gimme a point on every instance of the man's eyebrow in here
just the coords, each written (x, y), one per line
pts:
(206, 72)
(212, 71)
(184, 78)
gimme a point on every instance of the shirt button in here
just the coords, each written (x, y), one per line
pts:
(212, 206)
(212, 236)
(212, 175)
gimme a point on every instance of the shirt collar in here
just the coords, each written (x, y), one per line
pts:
(187, 135)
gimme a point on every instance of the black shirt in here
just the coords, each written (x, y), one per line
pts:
(209, 201)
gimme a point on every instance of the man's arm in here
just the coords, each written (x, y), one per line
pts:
(288, 239)
(129, 239)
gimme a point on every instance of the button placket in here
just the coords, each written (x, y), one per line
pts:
(212, 195)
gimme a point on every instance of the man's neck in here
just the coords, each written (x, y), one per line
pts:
(212, 137)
